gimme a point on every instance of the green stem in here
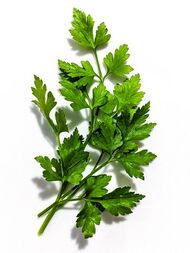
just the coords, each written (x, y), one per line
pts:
(99, 159)
(47, 209)
(52, 212)
(59, 146)
(98, 64)
(76, 199)
(88, 98)
(106, 75)
(47, 220)
(87, 138)
(50, 121)
(91, 127)
(63, 185)
(58, 140)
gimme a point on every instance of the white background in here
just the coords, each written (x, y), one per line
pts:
(33, 35)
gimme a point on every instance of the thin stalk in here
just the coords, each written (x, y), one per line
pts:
(106, 75)
(91, 127)
(47, 209)
(98, 64)
(50, 121)
(51, 213)
(88, 98)
(88, 138)
(76, 199)
(63, 185)
(99, 159)
(58, 140)
(47, 220)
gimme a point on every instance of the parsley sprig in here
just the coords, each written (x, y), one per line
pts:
(117, 125)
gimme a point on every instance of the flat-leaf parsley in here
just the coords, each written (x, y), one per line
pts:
(117, 125)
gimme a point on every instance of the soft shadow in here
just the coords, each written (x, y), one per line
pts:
(109, 219)
(121, 176)
(47, 190)
(76, 234)
(82, 50)
(44, 127)
(93, 157)
(141, 144)
(114, 79)
(76, 47)
(76, 206)
(69, 208)
(73, 118)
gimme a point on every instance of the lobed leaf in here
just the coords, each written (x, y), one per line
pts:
(82, 29)
(80, 76)
(133, 162)
(99, 95)
(120, 201)
(116, 63)
(128, 94)
(73, 157)
(108, 136)
(61, 121)
(49, 174)
(95, 186)
(110, 106)
(45, 101)
(87, 218)
(71, 93)
(101, 35)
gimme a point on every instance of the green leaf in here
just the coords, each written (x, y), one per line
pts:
(135, 130)
(116, 64)
(74, 174)
(74, 158)
(74, 70)
(141, 114)
(99, 95)
(57, 166)
(101, 35)
(61, 121)
(95, 186)
(120, 201)
(140, 132)
(133, 162)
(129, 146)
(71, 93)
(128, 94)
(123, 122)
(108, 136)
(49, 173)
(45, 101)
(80, 76)
(110, 106)
(71, 144)
(88, 217)
(82, 29)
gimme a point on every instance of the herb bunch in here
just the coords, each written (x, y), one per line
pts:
(117, 125)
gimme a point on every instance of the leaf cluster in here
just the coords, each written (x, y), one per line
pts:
(117, 126)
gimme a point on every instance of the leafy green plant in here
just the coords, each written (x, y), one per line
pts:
(117, 125)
